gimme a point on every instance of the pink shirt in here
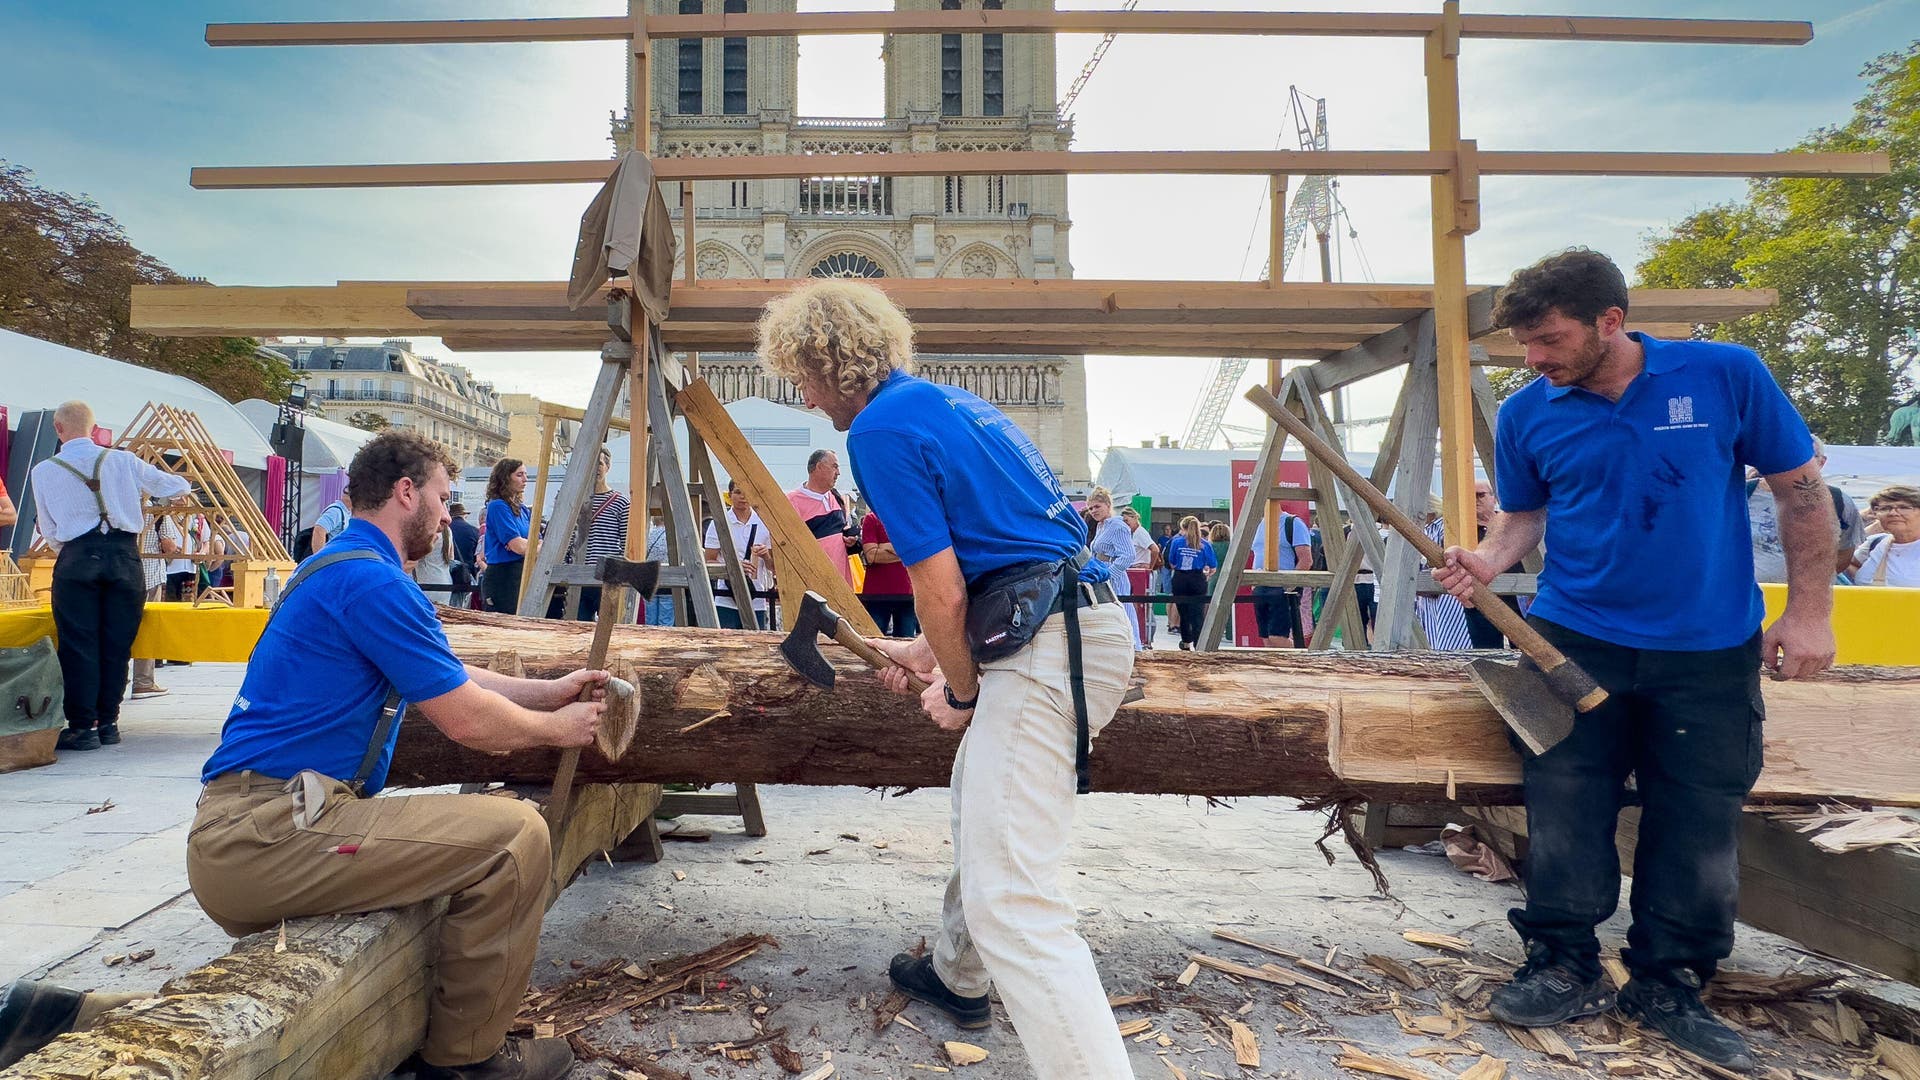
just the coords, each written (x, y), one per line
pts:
(810, 504)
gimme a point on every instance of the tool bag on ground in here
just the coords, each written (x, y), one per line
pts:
(32, 697)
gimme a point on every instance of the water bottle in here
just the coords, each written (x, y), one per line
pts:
(270, 591)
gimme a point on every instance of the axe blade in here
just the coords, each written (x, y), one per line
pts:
(642, 577)
(801, 647)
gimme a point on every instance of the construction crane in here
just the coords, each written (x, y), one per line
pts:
(1312, 208)
(1080, 81)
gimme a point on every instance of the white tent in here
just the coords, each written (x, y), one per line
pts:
(329, 444)
(1862, 470)
(37, 374)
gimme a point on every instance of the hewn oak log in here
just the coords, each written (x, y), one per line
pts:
(1232, 723)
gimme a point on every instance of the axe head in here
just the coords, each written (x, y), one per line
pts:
(641, 577)
(1524, 700)
(801, 647)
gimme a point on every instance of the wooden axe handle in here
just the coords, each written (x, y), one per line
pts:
(1566, 677)
(612, 601)
(845, 634)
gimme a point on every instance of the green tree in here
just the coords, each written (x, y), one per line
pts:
(368, 420)
(1845, 335)
(67, 272)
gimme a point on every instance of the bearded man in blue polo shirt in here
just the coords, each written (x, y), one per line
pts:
(285, 827)
(976, 515)
(1628, 455)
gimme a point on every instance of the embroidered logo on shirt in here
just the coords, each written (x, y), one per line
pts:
(1679, 415)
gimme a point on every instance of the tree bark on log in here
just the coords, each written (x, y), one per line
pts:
(1326, 725)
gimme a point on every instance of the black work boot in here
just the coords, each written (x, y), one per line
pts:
(78, 739)
(109, 734)
(32, 1014)
(1547, 991)
(915, 977)
(519, 1059)
(1671, 1006)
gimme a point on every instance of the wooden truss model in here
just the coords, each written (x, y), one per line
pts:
(175, 440)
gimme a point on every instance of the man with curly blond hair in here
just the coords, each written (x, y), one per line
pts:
(979, 521)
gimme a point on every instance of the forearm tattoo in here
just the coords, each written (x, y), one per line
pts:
(1810, 491)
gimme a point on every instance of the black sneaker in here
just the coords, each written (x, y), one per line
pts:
(915, 977)
(1672, 1007)
(519, 1059)
(109, 734)
(78, 739)
(1545, 992)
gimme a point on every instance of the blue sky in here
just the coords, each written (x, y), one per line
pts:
(119, 99)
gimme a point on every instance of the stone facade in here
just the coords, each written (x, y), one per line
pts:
(943, 92)
(440, 400)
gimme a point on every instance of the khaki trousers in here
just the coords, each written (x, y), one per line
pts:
(1006, 921)
(250, 868)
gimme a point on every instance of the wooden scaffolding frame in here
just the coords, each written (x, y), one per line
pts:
(1343, 327)
(1453, 164)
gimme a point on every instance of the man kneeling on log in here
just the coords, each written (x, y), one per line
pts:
(285, 827)
(1023, 645)
(1627, 454)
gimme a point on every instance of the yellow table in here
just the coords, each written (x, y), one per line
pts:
(209, 633)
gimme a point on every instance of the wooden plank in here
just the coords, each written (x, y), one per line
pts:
(802, 566)
(1305, 24)
(1452, 363)
(364, 308)
(1395, 626)
(1815, 728)
(1050, 162)
(1863, 907)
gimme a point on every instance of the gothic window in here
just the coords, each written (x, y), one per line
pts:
(733, 67)
(996, 194)
(690, 67)
(712, 263)
(993, 100)
(846, 264)
(978, 264)
(956, 194)
(950, 67)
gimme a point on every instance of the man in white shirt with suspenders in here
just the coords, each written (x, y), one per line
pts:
(89, 512)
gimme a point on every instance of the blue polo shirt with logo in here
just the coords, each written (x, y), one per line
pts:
(944, 469)
(318, 679)
(1647, 537)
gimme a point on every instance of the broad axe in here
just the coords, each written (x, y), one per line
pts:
(1539, 705)
(616, 732)
(801, 647)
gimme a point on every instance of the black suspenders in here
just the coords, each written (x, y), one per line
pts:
(390, 710)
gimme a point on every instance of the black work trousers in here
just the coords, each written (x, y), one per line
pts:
(98, 596)
(1687, 727)
(500, 584)
(1192, 612)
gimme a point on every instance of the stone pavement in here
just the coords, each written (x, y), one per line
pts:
(845, 879)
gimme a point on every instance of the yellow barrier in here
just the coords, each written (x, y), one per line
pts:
(208, 634)
(1872, 625)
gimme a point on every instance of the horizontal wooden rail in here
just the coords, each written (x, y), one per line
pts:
(1053, 162)
(1234, 23)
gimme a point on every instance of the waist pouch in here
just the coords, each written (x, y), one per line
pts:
(1005, 608)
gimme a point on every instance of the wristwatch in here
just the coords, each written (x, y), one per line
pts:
(958, 705)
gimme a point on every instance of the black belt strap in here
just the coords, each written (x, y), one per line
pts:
(1070, 597)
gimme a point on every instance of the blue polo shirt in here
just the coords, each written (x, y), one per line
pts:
(504, 523)
(319, 676)
(944, 469)
(1647, 536)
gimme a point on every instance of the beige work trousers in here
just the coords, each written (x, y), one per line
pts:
(250, 867)
(1006, 921)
